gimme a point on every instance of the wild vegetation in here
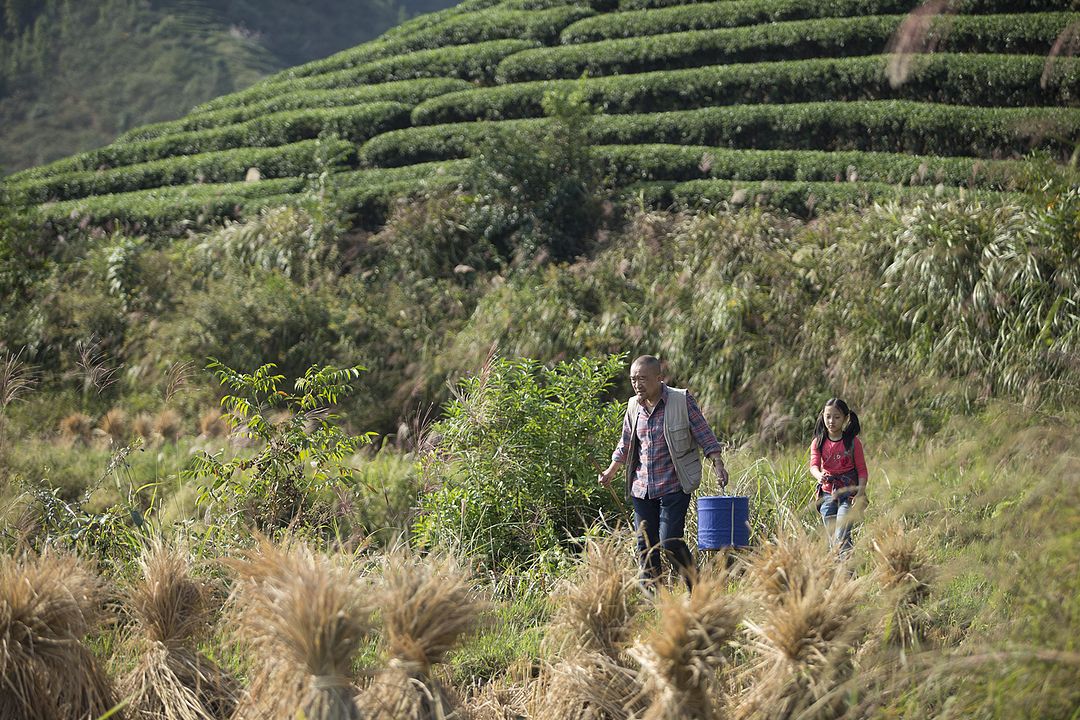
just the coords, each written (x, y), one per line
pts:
(324, 443)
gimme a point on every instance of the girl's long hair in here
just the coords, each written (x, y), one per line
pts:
(850, 431)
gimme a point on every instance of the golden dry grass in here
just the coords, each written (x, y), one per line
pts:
(212, 424)
(168, 424)
(76, 427)
(115, 425)
(427, 604)
(903, 570)
(48, 604)
(171, 680)
(304, 617)
(143, 426)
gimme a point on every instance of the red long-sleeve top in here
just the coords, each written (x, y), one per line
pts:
(835, 461)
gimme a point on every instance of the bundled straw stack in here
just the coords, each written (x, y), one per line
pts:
(304, 618)
(694, 639)
(48, 604)
(171, 680)
(590, 675)
(427, 605)
(903, 571)
(803, 632)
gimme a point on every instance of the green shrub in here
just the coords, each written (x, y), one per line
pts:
(734, 13)
(352, 123)
(987, 80)
(223, 166)
(1030, 33)
(885, 126)
(959, 6)
(408, 92)
(516, 460)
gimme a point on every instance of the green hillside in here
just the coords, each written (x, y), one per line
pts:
(790, 99)
(74, 76)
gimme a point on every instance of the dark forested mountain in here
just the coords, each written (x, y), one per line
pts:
(74, 75)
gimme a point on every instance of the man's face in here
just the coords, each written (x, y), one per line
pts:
(646, 381)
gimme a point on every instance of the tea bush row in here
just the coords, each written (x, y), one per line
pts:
(629, 164)
(467, 62)
(962, 79)
(736, 13)
(1029, 33)
(222, 166)
(408, 92)
(356, 123)
(880, 125)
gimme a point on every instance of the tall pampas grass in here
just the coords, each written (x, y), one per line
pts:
(802, 634)
(426, 605)
(304, 617)
(589, 675)
(48, 604)
(171, 680)
(693, 640)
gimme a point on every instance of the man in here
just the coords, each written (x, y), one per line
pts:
(663, 431)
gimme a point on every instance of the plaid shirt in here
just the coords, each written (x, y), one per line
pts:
(654, 475)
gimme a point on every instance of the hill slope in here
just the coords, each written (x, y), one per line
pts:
(73, 76)
(798, 101)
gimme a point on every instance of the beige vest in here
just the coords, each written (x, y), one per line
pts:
(681, 445)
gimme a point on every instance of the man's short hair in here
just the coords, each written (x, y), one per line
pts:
(647, 362)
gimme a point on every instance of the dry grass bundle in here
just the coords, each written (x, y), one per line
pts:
(597, 604)
(77, 427)
(587, 686)
(171, 679)
(115, 425)
(426, 605)
(212, 424)
(304, 617)
(681, 657)
(495, 701)
(802, 638)
(787, 565)
(596, 608)
(903, 570)
(48, 604)
(167, 424)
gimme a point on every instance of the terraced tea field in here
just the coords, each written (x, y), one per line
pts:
(794, 103)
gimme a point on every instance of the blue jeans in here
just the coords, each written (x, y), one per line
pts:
(837, 528)
(664, 519)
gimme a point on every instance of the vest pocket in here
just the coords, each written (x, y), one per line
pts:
(680, 439)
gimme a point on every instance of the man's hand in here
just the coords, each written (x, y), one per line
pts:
(605, 477)
(721, 471)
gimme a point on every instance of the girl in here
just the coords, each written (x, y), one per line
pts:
(836, 462)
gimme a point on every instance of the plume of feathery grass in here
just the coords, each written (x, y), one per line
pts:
(115, 425)
(171, 679)
(681, 656)
(212, 424)
(919, 33)
(589, 676)
(802, 635)
(304, 616)
(596, 606)
(48, 604)
(167, 424)
(143, 426)
(76, 427)
(426, 604)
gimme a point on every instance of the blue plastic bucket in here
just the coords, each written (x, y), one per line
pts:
(723, 522)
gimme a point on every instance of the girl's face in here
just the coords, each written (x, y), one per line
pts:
(834, 419)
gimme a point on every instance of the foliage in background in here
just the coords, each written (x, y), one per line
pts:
(514, 471)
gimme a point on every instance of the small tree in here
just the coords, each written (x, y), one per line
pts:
(302, 449)
(515, 469)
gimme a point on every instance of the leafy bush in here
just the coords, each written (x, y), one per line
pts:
(515, 465)
(961, 79)
(355, 123)
(887, 126)
(734, 13)
(222, 166)
(1031, 33)
(408, 92)
(299, 457)
(539, 188)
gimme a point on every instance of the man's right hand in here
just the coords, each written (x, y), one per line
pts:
(605, 477)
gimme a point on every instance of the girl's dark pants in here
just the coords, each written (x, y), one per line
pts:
(664, 519)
